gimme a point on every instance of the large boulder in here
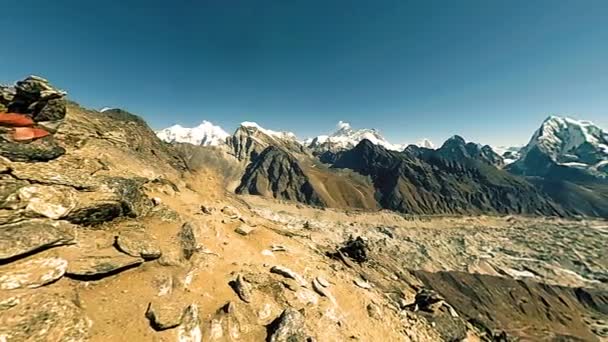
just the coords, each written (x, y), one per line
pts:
(25, 237)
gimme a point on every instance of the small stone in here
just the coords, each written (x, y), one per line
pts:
(288, 327)
(138, 244)
(242, 288)
(206, 210)
(362, 284)
(244, 229)
(190, 329)
(231, 212)
(278, 248)
(32, 273)
(322, 290)
(156, 201)
(286, 272)
(188, 240)
(374, 311)
(164, 314)
(322, 281)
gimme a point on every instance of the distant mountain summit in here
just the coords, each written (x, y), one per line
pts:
(564, 145)
(250, 139)
(345, 137)
(205, 134)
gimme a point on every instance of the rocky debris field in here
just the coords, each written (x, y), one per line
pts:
(115, 239)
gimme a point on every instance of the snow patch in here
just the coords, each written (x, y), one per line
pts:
(205, 134)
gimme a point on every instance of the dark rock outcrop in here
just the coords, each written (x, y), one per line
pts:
(276, 173)
(288, 327)
(445, 181)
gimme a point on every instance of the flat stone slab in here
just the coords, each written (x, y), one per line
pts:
(97, 264)
(138, 244)
(42, 317)
(32, 273)
(22, 238)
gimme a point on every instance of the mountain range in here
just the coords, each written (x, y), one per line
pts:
(561, 171)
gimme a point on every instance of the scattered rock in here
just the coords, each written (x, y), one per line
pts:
(244, 229)
(428, 300)
(39, 316)
(242, 288)
(278, 248)
(156, 201)
(206, 210)
(32, 273)
(322, 290)
(322, 281)
(187, 240)
(362, 284)
(374, 311)
(164, 314)
(355, 249)
(138, 244)
(190, 329)
(231, 212)
(22, 238)
(288, 327)
(93, 265)
(286, 272)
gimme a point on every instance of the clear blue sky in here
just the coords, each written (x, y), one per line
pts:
(488, 70)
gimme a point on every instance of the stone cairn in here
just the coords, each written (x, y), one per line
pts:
(31, 111)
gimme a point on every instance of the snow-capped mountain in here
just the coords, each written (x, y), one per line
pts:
(426, 143)
(345, 137)
(205, 134)
(564, 142)
(250, 139)
(509, 153)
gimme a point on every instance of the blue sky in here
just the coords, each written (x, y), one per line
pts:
(490, 71)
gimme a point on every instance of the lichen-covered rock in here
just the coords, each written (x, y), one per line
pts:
(31, 273)
(288, 327)
(187, 240)
(41, 150)
(18, 239)
(53, 202)
(38, 316)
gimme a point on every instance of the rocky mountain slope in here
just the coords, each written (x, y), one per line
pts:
(447, 180)
(115, 237)
(250, 140)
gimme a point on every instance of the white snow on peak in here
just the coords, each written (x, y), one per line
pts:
(426, 143)
(561, 138)
(205, 134)
(345, 137)
(105, 109)
(274, 134)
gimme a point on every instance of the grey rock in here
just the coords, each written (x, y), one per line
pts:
(374, 311)
(41, 150)
(190, 329)
(165, 314)
(187, 240)
(25, 237)
(242, 288)
(31, 273)
(288, 327)
(322, 281)
(244, 229)
(38, 316)
(362, 284)
(287, 273)
(51, 110)
(97, 264)
(138, 244)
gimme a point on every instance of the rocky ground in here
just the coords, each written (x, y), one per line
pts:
(113, 238)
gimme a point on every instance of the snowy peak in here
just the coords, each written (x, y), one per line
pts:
(345, 137)
(253, 126)
(566, 140)
(425, 143)
(205, 134)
